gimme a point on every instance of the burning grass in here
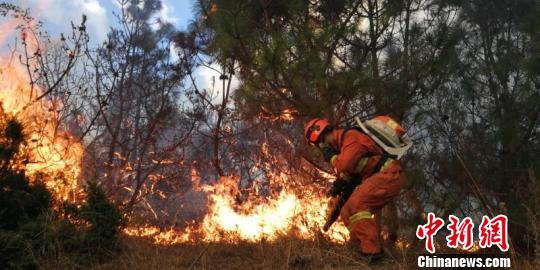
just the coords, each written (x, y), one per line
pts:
(274, 227)
(254, 220)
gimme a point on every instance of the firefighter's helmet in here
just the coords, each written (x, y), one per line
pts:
(315, 128)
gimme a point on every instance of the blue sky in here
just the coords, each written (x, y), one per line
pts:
(57, 14)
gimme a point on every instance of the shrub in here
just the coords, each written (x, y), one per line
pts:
(19, 201)
(30, 227)
(104, 220)
(16, 252)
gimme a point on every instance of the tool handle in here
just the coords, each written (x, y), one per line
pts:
(334, 215)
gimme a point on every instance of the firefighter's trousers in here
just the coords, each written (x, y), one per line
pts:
(362, 210)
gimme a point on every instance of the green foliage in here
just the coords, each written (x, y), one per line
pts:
(463, 76)
(14, 131)
(103, 217)
(96, 240)
(19, 201)
(29, 226)
(12, 138)
(15, 252)
(50, 234)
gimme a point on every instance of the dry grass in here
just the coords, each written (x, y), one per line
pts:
(285, 254)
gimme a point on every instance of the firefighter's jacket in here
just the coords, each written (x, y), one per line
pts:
(359, 154)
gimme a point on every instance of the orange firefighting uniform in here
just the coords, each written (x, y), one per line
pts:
(358, 157)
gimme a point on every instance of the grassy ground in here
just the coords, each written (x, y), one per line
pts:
(139, 253)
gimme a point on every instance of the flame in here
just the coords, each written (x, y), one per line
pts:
(286, 115)
(52, 155)
(288, 214)
(402, 244)
(275, 206)
(55, 157)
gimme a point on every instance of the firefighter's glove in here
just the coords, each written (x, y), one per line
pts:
(337, 187)
(328, 153)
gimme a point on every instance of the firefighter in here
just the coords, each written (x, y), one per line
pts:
(357, 158)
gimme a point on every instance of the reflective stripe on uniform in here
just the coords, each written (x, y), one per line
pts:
(358, 216)
(363, 161)
(361, 164)
(386, 164)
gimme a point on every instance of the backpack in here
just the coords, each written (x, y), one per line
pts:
(387, 133)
